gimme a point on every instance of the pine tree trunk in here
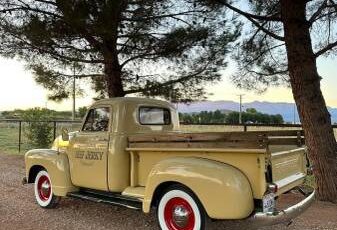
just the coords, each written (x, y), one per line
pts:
(113, 78)
(305, 83)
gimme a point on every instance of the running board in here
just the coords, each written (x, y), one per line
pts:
(107, 198)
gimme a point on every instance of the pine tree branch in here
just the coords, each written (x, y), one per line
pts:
(329, 14)
(261, 54)
(143, 56)
(170, 82)
(55, 54)
(251, 39)
(79, 76)
(325, 49)
(47, 2)
(83, 31)
(252, 18)
(318, 12)
(249, 16)
(268, 74)
(29, 9)
(11, 10)
(333, 4)
(268, 32)
(137, 19)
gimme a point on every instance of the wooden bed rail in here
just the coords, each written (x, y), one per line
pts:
(252, 139)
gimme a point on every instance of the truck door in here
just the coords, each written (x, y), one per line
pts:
(88, 150)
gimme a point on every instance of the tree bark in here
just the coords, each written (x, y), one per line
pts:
(305, 83)
(113, 78)
(112, 68)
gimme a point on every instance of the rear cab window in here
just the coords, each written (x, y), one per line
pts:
(154, 116)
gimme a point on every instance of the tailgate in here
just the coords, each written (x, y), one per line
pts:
(288, 169)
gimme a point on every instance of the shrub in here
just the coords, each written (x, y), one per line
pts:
(82, 111)
(39, 130)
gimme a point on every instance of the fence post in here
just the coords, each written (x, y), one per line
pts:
(19, 136)
(54, 122)
(245, 128)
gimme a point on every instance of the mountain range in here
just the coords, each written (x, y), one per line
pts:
(283, 108)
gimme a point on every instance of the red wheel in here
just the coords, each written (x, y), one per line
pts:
(44, 191)
(179, 209)
(179, 214)
(44, 188)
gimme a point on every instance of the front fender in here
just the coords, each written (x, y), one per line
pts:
(223, 190)
(56, 164)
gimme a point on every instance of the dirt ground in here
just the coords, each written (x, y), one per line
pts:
(18, 209)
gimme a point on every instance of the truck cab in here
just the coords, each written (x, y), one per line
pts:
(131, 152)
(102, 141)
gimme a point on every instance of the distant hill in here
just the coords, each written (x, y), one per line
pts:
(285, 109)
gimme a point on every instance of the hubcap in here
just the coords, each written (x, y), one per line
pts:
(179, 214)
(44, 188)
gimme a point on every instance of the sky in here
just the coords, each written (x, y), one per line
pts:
(19, 91)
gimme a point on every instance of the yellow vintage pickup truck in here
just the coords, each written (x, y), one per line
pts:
(130, 152)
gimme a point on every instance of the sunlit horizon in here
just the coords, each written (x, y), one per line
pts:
(18, 90)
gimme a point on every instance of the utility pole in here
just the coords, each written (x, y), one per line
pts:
(74, 95)
(240, 110)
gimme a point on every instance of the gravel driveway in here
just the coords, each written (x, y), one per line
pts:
(18, 210)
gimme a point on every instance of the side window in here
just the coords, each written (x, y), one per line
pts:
(97, 120)
(154, 116)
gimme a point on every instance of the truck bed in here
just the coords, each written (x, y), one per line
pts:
(264, 157)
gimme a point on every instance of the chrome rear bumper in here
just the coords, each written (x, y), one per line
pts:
(284, 216)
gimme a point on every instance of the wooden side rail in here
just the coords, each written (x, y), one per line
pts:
(254, 139)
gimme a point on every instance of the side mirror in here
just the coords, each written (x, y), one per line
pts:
(65, 135)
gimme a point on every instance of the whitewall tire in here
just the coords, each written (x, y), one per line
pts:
(179, 209)
(44, 191)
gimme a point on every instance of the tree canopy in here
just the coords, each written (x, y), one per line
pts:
(261, 55)
(166, 48)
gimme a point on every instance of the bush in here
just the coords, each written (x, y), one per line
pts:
(38, 131)
(82, 111)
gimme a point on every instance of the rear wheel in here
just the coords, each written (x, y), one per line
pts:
(180, 209)
(44, 191)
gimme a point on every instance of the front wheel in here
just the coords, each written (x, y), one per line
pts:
(44, 191)
(180, 209)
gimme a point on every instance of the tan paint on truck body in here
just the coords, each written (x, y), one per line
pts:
(57, 164)
(226, 180)
(223, 190)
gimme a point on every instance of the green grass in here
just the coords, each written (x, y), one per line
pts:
(9, 137)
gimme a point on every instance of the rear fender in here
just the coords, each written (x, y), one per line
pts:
(224, 191)
(57, 166)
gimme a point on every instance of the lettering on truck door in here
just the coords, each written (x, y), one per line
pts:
(89, 150)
